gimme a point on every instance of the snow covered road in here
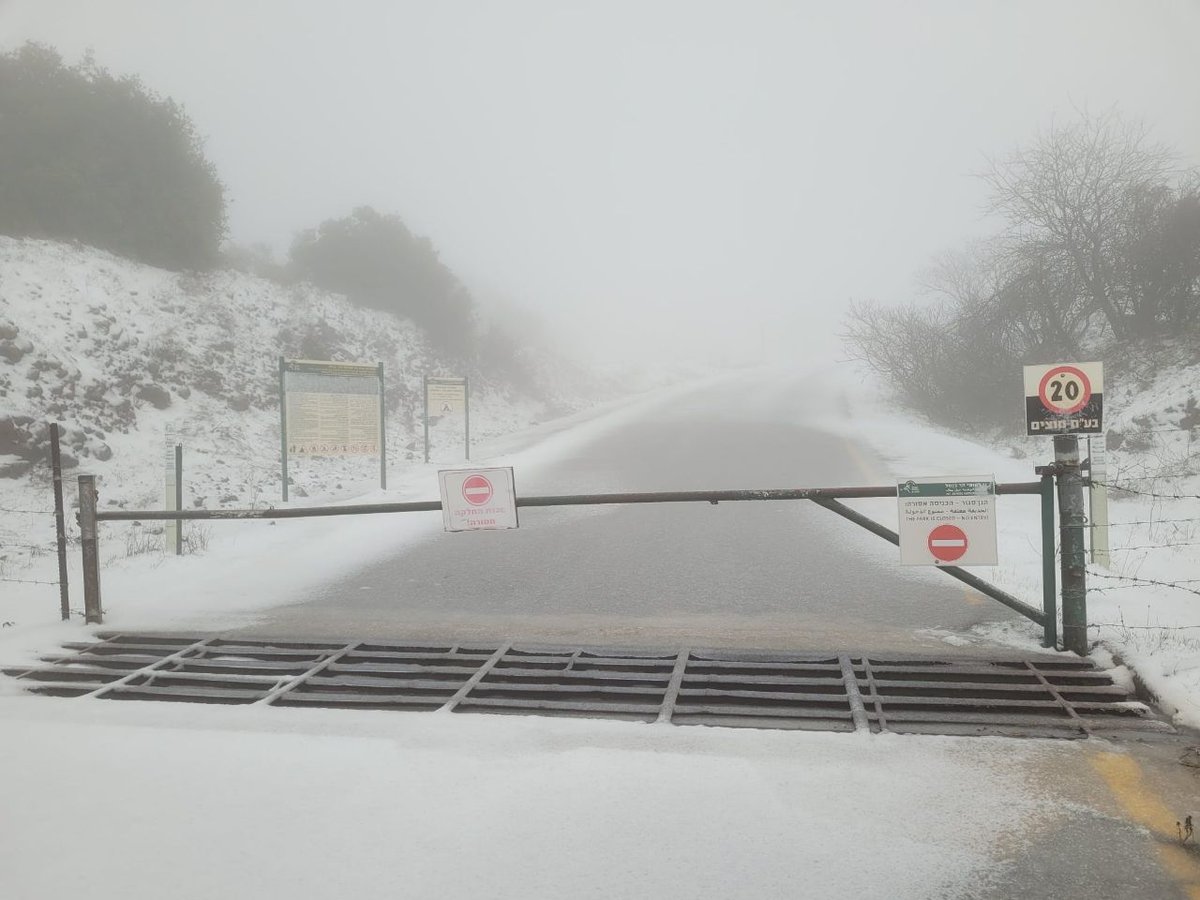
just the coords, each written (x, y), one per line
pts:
(772, 574)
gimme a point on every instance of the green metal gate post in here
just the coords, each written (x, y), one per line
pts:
(1072, 521)
(89, 540)
(1049, 580)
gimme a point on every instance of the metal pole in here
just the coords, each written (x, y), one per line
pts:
(425, 401)
(1098, 499)
(467, 416)
(1072, 522)
(382, 434)
(1049, 580)
(179, 498)
(92, 611)
(60, 525)
(283, 426)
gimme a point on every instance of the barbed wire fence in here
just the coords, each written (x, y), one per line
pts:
(1159, 468)
(30, 531)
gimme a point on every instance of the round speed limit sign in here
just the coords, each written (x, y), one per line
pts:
(1065, 390)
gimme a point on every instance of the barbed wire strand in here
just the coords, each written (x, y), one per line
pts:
(1141, 627)
(1160, 546)
(1182, 585)
(1134, 522)
(1128, 490)
(28, 581)
(1140, 578)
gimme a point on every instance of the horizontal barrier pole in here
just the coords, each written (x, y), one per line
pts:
(816, 494)
(272, 512)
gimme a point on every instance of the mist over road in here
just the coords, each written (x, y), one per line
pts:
(780, 574)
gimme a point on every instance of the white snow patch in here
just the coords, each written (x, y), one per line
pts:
(307, 803)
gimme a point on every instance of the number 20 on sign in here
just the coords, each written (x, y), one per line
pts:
(1064, 398)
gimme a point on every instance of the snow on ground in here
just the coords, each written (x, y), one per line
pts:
(1154, 449)
(187, 801)
(263, 802)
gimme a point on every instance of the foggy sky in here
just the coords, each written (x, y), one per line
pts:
(665, 179)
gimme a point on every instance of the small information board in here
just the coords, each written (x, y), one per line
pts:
(478, 499)
(1064, 398)
(948, 521)
(448, 398)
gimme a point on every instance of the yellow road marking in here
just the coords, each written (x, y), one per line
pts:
(973, 598)
(863, 466)
(1142, 805)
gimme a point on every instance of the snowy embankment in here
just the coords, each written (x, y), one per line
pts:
(123, 355)
(1144, 606)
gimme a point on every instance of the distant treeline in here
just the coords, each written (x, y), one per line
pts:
(1100, 258)
(89, 156)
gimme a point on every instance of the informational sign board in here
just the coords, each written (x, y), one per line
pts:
(446, 395)
(331, 409)
(448, 399)
(1064, 398)
(948, 521)
(478, 499)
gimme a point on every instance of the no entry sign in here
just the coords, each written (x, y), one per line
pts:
(948, 543)
(948, 521)
(1064, 398)
(477, 490)
(478, 499)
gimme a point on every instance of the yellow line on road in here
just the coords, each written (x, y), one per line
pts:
(860, 461)
(1142, 805)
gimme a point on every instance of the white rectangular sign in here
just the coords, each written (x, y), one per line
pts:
(478, 499)
(170, 529)
(444, 396)
(948, 521)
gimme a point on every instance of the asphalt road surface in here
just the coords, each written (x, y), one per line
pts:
(772, 574)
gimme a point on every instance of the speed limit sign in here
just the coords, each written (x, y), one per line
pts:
(1064, 398)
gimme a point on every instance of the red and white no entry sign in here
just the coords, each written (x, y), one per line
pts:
(477, 490)
(947, 543)
(1064, 390)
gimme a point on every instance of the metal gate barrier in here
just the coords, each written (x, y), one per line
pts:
(829, 498)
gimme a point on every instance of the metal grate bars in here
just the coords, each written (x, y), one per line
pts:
(1042, 696)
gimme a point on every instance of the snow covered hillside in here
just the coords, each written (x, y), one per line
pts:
(119, 353)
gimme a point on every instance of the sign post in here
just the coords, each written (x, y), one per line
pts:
(331, 409)
(478, 499)
(1066, 400)
(948, 521)
(173, 494)
(1098, 499)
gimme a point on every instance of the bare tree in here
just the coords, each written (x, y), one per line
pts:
(1070, 197)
